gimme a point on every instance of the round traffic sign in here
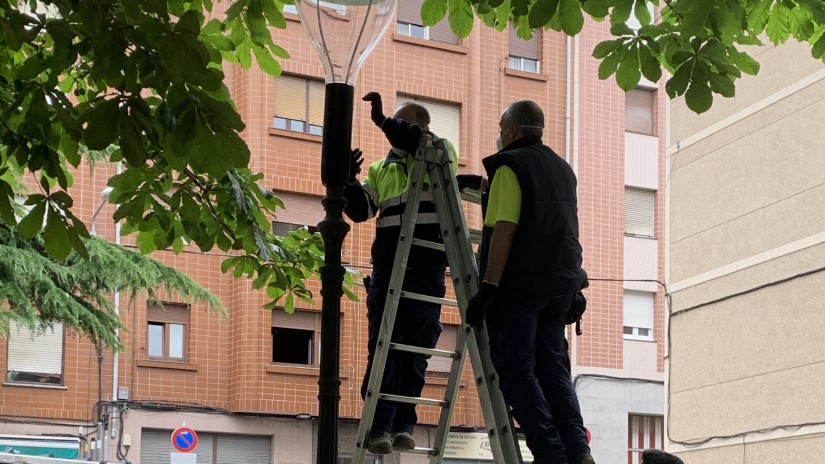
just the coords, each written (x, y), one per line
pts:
(184, 439)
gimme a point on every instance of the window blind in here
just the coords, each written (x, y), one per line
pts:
(316, 102)
(445, 119)
(291, 98)
(409, 11)
(304, 320)
(639, 212)
(639, 111)
(299, 208)
(638, 309)
(40, 353)
(525, 48)
(441, 32)
(170, 313)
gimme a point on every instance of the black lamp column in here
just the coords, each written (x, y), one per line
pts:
(335, 168)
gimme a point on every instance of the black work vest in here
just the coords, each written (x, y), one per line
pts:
(546, 256)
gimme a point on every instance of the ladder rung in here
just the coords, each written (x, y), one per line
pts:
(427, 351)
(413, 400)
(429, 244)
(475, 235)
(417, 450)
(472, 196)
(429, 299)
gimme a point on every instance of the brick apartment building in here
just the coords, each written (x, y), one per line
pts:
(248, 383)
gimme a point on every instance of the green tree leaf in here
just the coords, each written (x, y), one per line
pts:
(433, 11)
(722, 84)
(628, 73)
(55, 236)
(571, 17)
(102, 125)
(744, 62)
(678, 84)
(461, 17)
(651, 69)
(641, 12)
(609, 65)
(32, 223)
(541, 12)
(699, 97)
(607, 47)
(778, 27)
(597, 9)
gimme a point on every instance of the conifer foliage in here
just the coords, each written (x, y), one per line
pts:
(77, 291)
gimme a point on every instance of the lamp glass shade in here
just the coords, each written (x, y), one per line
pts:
(344, 32)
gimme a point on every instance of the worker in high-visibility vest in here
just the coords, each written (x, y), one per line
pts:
(383, 192)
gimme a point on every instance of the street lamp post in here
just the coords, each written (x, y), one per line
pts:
(344, 33)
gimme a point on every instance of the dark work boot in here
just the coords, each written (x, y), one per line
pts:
(380, 443)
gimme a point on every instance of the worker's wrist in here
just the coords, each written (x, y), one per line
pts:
(487, 283)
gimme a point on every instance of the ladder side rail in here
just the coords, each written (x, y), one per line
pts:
(503, 439)
(379, 361)
(442, 180)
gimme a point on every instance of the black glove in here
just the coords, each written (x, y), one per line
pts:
(377, 113)
(477, 308)
(356, 159)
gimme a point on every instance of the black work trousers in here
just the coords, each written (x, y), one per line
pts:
(529, 353)
(416, 323)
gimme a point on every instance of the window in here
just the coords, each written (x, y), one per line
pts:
(299, 105)
(166, 331)
(639, 212)
(35, 357)
(299, 211)
(643, 432)
(445, 118)
(446, 341)
(409, 23)
(639, 111)
(291, 9)
(296, 337)
(638, 315)
(283, 229)
(525, 54)
(413, 30)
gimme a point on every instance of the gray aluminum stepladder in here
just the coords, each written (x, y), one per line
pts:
(433, 166)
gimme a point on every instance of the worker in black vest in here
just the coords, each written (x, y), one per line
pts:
(531, 265)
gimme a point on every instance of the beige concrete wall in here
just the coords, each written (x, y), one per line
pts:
(746, 248)
(750, 187)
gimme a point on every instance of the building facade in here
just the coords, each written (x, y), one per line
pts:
(247, 383)
(745, 268)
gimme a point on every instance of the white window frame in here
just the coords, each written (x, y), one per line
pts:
(522, 64)
(637, 331)
(406, 29)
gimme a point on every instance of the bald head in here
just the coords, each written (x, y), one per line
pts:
(414, 113)
(527, 115)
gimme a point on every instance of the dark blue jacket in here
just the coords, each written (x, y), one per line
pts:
(546, 257)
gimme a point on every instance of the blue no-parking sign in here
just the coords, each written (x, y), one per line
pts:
(184, 439)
